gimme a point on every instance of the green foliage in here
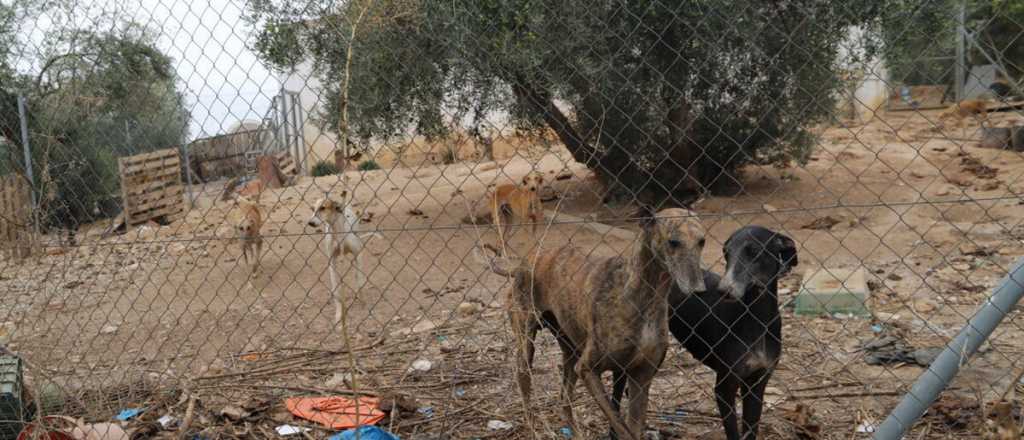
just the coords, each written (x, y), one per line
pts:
(369, 165)
(912, 31)
(323, 168)
(96, 96)
(654, 91)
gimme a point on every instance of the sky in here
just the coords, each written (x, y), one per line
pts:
(222, 80)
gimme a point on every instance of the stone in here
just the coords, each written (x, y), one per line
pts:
(833, 291)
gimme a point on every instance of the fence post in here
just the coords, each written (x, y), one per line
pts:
(27, 150)
(938, 375)
(188, 174)
(960, 71)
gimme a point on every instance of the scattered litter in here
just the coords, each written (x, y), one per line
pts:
(286, 430)
(459, 392)
(877, 328)
(890, 349)
(126, 414)
(423, 326)
(953, 411)
(498, 425)
(467, 309)
(415, 211)
(167, 421)
(652, 434)
(427, 411)
(232, 412)
(822, 223)
(338, 379)
(108, 329)
(1000, 423)
(336, 412)
(804, 423)
(566, 432)
(365, 433)
(398, 403)
(865, 427)
(769, 208)
(421, 365)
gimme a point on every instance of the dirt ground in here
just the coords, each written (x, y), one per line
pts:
(162, 312)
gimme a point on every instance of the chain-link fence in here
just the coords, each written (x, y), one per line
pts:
(228, 220)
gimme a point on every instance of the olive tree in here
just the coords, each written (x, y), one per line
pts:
(660, 99)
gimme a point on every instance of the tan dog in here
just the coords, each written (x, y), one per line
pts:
(971, 108)
(249, 225)
(520, 202)
(339, 224)
(252, 189)
(607, 314)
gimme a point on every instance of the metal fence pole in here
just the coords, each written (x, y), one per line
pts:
(957, 352)
(23, 117)
(961, 53)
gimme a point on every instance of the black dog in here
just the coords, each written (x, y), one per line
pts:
(734, 327)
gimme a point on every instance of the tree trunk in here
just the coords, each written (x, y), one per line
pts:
(553, 116)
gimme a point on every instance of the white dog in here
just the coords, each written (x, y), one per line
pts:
(339, 223)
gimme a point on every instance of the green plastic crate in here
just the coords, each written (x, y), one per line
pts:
(12, 405)
(832, 291)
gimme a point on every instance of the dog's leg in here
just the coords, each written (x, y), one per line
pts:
(335, 288)
(618, 391)
(525, 328)
(753, 403)
(257, 253)
(640, 379)
(725, 396)
(496, 217)
(245, 252)
(569, 379)
(593, 382)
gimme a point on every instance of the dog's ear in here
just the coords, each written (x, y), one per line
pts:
(785, 250)
(646, 215)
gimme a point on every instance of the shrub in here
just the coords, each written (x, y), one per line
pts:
(323, 168)
(369, 165)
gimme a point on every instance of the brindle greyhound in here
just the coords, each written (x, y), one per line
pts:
(607, 314)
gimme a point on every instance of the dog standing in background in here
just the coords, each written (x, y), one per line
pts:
(338, 222)
(249, 225)
(969, 108)
(522, 202)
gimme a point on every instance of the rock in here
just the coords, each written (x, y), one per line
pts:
(338, 379)
(421, 365)
(498, 425)
(400, 402)
(425, 325)
(232, 412)
(886, 316)
(961, 267)
(924, 306)
(468, 309)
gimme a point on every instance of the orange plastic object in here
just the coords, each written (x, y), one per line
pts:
(336, 412)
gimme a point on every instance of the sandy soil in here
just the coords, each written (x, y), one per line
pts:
(933, 221)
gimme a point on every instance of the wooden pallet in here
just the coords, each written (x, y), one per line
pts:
(287, 163)
(151, 187)
(15, 217)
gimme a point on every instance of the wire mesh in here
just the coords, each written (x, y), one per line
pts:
(364, 151)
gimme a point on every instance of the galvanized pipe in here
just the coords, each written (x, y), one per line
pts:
(941, 372)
